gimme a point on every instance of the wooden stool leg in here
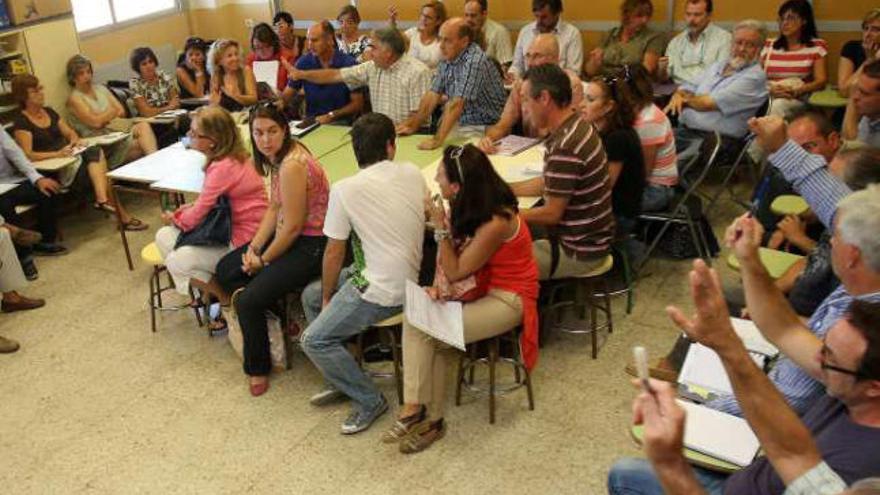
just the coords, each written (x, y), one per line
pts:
(493, 359)
(395, 354)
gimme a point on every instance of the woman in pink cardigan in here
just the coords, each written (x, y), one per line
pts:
(229, 172)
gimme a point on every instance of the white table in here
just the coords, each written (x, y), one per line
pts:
(54, 164)
(168, 167)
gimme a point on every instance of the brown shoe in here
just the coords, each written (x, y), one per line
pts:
(25, 237)
(663, 370)
(23, 304)
(7, 345)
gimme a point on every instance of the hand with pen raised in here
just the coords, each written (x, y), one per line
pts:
(663, 421)
(769, 131)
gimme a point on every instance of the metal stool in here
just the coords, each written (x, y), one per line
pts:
(153, 257)
(585, 295)
(388, 331)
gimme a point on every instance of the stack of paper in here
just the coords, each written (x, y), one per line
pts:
(512, 145)
(299, 128)
(719, 435)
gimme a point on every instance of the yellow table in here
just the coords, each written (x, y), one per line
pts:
(789, 204)
(776, 262)
(827, 98)
(692, 456)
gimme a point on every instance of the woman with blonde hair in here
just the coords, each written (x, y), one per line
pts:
(424, 37)
(855, 54)
(233, 85)
(229, 172)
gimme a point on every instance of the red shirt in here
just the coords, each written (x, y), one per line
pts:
(281, 83)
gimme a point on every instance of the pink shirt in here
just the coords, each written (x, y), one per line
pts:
(317, 195)
(654, 129)
(241, 183)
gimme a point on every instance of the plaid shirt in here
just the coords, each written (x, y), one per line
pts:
(820, 480)
(472, 77)
(395, 91)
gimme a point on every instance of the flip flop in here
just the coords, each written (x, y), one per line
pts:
(135, 225)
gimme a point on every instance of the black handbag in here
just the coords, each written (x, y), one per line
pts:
(214, 230)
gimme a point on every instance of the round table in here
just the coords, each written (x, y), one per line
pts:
(789, 204)
(827, 98)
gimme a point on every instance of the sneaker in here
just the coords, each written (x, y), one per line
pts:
(30, 270)
(49, 249)
(359, 421)
(327, 396)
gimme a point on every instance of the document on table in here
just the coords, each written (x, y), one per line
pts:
(719, 435)
(441, 320)
(512, 145)
(267, 72)
(5, 188)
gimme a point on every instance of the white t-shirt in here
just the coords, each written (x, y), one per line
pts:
(427, 54)
(385, 206)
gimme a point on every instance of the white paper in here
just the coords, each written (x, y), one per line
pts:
(267, 72)
(511, 145)
(296, 130)
(752, 337)
(441, 320)
(5, 188)
(719, 435)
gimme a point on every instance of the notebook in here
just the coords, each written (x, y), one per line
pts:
(719, 434)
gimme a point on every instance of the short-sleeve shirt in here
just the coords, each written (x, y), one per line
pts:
(45, 139)
(617, 53)
(429, 54)
(323, 98)
(855, 52)
(571, 47)
(395, 91)
(688, 59)
(623, 146)
(654, 129)
(472, 77)
(869, 131)
(738, 97)
(382, 209)
(498, 43)
(792, 64)
(157, 94)
(575, 167)
(850, 450)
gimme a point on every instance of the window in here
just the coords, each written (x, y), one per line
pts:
(93, 14)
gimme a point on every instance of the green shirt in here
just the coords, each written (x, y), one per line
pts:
(617, 54)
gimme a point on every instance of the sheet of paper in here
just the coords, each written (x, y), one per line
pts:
(267, 72)
(441, 320)
(5, 188)
(511, 145)
(752, 337)
(702, 368)
(719, 435)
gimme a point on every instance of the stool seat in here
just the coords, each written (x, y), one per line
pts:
(605, 267)
(151, 254)
(776, 262)
(789, 204)
(390, 322)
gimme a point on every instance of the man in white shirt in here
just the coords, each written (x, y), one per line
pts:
(381, 210)
(696, 48)
(547, 20)
(495, 36)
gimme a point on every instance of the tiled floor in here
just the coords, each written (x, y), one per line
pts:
(95, 403)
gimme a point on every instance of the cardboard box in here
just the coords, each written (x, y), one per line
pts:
(26, 11)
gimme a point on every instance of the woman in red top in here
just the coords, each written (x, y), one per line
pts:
(484, 251)
(266, 47)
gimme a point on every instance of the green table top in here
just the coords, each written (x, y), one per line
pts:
(828, 98)
(789, 204)
(327, 139)
(776, 262)
(694, 457)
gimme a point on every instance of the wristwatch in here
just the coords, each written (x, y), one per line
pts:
(332, 115)
(440, 234)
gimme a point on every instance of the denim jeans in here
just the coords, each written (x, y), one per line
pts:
(657, 198)
(347, 315)
(636, 477)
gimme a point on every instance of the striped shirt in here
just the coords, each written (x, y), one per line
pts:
(800, 389)
(820, 480)
(792, 64)
(472, 77)
(395, 91)
(575, 167)
(654, 129)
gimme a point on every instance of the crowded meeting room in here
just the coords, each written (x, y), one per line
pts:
(243, 249)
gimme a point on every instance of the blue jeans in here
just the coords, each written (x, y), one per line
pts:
(657, 198)
(323, 341)
(636, 477)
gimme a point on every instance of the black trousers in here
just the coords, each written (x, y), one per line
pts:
(25, 194)
(292, 271)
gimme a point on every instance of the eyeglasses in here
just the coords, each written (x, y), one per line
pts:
(824, 352)
(456, 155)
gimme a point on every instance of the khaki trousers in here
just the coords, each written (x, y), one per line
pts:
(425, 358)
(11, 276)
(568, 266)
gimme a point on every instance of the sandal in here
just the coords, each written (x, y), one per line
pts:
(104, 206)
(217, 325)
(404, 426)
(423, 436)
(134, 225)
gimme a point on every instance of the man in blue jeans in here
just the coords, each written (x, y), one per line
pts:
(381, 211)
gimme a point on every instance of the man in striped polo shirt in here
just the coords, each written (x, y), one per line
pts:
(575, 183)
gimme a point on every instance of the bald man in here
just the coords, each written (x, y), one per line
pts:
(543, 50)
(470, 82)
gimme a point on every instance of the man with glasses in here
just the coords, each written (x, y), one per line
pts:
(727, 94)
(396, 80)
(543, 50)
(696, 48)
(548, 19)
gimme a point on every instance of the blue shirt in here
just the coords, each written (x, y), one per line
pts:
(14, 165)
(738, 97)
(869, 131)
(323, 98)
(472, 77)
(800, 389)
